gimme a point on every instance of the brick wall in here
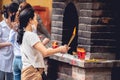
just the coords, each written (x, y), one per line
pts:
(96, 27)
(64, 71)
(96, 33)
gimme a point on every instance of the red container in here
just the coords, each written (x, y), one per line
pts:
(81, 53)
(54, 44)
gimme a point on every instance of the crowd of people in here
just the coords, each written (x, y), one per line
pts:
(22, 51)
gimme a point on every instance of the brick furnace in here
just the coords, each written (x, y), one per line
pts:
(95, 32)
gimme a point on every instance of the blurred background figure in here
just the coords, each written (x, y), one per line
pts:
(6, 49)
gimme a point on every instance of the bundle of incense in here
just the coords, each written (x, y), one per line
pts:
(72, 37)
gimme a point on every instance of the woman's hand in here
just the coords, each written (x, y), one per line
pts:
(4, 44)
(64, 48)
(45, 41)
(8, 43)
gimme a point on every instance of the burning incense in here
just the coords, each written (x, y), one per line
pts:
(72, 37)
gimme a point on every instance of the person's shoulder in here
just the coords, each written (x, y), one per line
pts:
(3, 23)
(28, 33)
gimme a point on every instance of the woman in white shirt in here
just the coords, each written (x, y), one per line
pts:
(32, 49)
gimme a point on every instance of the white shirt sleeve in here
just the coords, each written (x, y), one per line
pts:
(12, 36)
(0, 30)
(33, 39)
(0, 33)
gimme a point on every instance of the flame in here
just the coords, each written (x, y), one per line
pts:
(74, 31)
(73, 35)
(81, 49)
(54, 43)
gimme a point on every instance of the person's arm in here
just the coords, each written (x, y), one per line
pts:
(45, 41)
(12, 36)
(4, 44)
(50, 51)
(35, 42)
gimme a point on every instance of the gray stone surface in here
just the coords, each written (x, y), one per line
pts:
(67, 58)
(57, 11)
(58, 5)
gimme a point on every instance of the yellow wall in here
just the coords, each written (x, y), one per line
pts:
(43, 3)
(6, 1)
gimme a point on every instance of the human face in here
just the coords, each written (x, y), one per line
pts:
(35, 19)
(17, 17)
(34, 24)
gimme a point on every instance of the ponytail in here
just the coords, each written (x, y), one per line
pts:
(24, 18)
(20, 35)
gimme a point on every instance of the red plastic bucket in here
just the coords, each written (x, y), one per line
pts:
(81, 53)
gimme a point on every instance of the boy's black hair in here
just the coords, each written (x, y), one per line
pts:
(4, 11)
(13, 7)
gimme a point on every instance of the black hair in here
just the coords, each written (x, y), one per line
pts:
(5, 11)
(24, 17)
(26, 5)
(12, 8)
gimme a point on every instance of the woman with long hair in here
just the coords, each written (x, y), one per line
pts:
(32, 49)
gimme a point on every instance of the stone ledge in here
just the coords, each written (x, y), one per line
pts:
(67, 58)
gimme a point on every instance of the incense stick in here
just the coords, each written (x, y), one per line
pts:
(72, 37)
